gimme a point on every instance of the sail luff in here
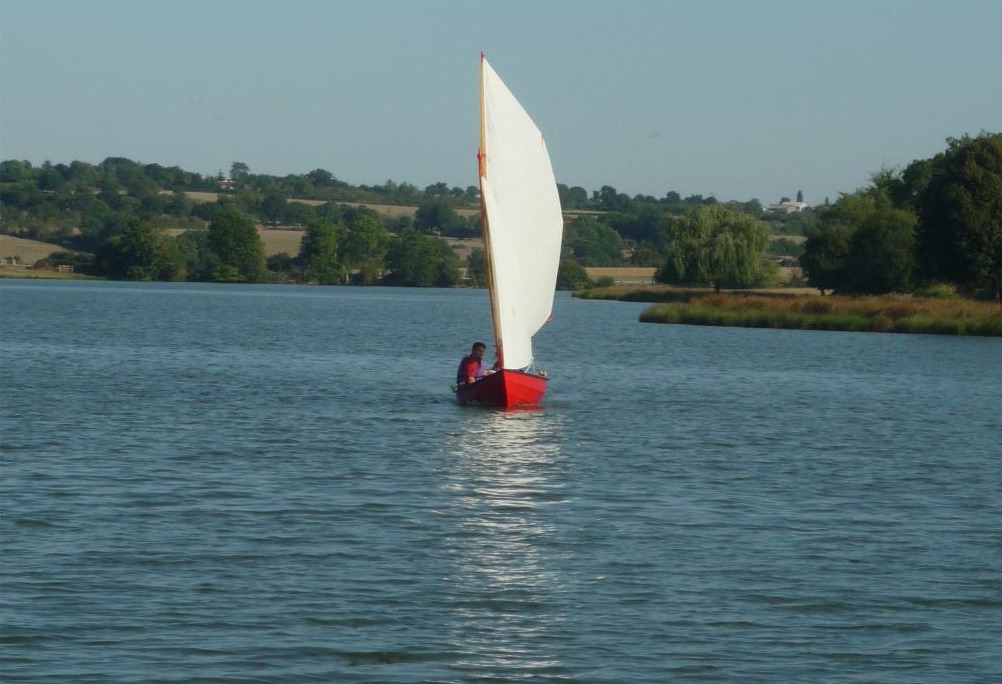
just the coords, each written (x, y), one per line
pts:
(488, 260)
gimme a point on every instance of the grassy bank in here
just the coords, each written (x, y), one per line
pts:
(897, 314)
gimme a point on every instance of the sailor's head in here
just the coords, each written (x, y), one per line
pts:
(478, 349)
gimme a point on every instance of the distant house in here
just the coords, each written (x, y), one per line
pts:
(787, 207)
(227, 184)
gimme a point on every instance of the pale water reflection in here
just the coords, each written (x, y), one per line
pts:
(508, 480)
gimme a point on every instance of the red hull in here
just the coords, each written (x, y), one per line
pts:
(506, 389)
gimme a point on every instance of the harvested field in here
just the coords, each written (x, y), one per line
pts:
(28, 251)
(623, 275)
(386, 210)
(276, 240)
(464, 246)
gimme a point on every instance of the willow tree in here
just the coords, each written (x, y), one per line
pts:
(715, 246)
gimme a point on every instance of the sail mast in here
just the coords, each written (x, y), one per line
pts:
(488, 258)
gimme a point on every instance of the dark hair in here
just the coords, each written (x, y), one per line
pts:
(478, 344)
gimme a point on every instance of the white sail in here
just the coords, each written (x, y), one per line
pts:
(523, 223)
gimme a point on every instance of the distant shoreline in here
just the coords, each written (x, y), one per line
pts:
(796, 310)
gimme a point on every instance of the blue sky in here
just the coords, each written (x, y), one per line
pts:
(740, 100)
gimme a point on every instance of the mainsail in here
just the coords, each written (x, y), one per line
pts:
(523, 225)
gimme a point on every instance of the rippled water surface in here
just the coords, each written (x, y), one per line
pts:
(272, 484)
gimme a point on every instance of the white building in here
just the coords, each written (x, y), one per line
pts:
(787, 207)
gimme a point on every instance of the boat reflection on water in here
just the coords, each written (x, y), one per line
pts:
(508, 483)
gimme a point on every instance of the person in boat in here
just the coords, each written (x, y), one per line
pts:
(471, 368)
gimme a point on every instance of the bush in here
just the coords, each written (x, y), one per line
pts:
(938, 291)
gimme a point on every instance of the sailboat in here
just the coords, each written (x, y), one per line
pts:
(522, 231)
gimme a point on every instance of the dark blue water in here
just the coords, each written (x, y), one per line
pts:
(272, 484)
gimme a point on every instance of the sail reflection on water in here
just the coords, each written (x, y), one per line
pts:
(508, 485)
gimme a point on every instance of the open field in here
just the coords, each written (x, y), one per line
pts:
(276, 240)
(26, 253)
(29, 251)
(623, 275)
(387, 210)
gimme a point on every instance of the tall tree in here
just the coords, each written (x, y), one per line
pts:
(417, 260)
(143, 251)
(364, 249)
(318, 253)
(273, 207)
(881, 254)
(476, 268)
(239, 171)
(237, 247)
(437, 216)
(862, 244)
(960, 214)
(592, 243)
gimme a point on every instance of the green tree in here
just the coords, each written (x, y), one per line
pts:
(13, 171)
(448, 273)
(572, 276)
(437, 216)
(824, 260)
(827, 247)
(572, 198)
(960, 215)
(318, 253)
(881, 254)
(236, 246)
(364, 250)
(592, 243)
(439, 189)
(646, 254)
(417, 260)
(193, 249)
(239, 171)
(609, 200)
(712, 245)
(143, 251)
(476, 268)
(862, 244)
(273, 207)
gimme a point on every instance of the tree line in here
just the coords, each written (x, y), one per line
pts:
(113, 218)
(935, 221)
(936, 226)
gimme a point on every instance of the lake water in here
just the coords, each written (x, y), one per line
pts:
(273, 484)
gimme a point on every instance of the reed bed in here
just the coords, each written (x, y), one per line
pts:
(648, 293)
(895, 314)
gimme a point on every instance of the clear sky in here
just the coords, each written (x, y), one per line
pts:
(738, 100)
